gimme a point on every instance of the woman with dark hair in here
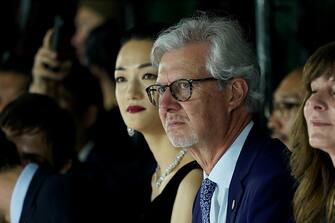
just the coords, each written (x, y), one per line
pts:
(177, 177)
(313, 141)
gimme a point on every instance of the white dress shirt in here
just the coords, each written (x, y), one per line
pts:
(20, 191)
(222, 174)
(83, 154)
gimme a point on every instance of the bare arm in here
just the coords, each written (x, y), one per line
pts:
(188, 188)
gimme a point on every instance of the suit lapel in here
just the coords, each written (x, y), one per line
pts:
(29, 204)
(196, 212)
(244, 163)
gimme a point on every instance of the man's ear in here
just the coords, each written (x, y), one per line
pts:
(239, 91)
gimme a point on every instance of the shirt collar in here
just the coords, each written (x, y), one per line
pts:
(20, 191)
(223, 170)
(83, 154)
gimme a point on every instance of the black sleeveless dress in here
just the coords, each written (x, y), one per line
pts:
(160, 209)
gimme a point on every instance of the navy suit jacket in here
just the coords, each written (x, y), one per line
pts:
(49, 198)
(261, 189)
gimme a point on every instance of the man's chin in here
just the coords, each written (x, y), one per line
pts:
(182, 141)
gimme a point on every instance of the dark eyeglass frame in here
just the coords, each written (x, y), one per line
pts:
(151, 88)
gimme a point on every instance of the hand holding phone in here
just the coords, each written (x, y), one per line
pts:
(60, 42)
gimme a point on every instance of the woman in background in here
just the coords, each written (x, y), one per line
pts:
(313, 141)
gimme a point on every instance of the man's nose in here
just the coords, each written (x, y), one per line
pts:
(167, 102)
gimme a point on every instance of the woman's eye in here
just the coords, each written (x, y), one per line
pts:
(149, 76)
(119, 79)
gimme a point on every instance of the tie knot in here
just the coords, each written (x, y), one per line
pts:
(208, 186)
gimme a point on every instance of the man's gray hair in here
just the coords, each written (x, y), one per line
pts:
(230, 55)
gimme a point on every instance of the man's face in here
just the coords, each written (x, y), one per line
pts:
(201, 119)
(32, 142)
(287, 99)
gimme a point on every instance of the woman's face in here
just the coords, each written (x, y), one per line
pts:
(319, 112)
(133, 74)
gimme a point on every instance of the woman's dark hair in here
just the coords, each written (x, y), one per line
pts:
(103, 44)
(143, 31)
(81, 89)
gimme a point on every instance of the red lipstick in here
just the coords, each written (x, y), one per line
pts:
(135, 109)
(320, 124)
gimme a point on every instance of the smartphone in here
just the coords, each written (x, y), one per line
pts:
(58, 34)
(60, 41)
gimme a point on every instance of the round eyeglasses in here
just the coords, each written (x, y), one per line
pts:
(181, 89)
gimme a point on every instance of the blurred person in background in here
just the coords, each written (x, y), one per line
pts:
(39, 126)
(121, 172)
(101, 48)
(69, 87)
(90, 15)
(15, 78)
(33, 193)
(286, 101)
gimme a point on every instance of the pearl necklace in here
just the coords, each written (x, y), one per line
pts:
(169, 168)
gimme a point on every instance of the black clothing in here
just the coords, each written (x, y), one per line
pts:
(160, 209)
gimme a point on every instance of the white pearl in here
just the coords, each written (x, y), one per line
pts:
(170, 168)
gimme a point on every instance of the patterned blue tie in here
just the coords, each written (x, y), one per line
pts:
(206, 193)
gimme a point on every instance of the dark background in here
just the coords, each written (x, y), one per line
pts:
(293, 28)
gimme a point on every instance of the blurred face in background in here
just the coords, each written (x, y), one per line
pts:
(86, 20)
(30, 142)
(286, 101)
(133, 74)
(319, 112)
